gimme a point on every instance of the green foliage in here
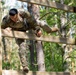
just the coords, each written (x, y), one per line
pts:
(6, 65)
(2, 2)
(54, 52)
(53, 57)
(12, 60)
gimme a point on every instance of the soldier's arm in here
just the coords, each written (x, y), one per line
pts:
(24, 13)
(35, 23)
(46, 27)
(29, 17)
(5, 22)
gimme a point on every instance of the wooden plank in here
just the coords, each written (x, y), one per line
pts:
(51, 4)
(13, 72)
(49, 38)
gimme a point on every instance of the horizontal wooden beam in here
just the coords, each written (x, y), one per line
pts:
(51, 4)
(49, 38)
(12, 72)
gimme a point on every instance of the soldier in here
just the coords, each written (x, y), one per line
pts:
(22, 21)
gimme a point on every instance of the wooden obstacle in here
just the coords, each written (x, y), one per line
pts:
(12, 72)
(49, 38)
(51, 4)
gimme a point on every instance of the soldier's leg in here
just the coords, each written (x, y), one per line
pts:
(23, 54)
(46, 27)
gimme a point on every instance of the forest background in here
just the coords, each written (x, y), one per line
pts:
(57, 57)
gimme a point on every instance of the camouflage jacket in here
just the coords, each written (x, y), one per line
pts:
(26, 22)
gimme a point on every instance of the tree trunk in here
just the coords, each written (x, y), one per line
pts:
(31, 48)
(40, 55)
(63, 32)
(64, 46)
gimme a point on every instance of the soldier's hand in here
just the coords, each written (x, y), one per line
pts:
(39, 33)
(8, 29)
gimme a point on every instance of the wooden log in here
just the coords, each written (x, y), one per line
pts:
(51, 4)
(12, 72)
(49, 38)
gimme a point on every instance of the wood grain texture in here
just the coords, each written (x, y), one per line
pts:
(12, 72)
(51, 4)
(48, 38)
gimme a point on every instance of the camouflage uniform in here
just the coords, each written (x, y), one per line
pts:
(26, 22)
(21, 25)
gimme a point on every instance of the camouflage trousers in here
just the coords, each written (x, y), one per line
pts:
(22, 52)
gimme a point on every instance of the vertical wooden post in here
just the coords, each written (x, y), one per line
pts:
(0, 39)
(31, 46)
